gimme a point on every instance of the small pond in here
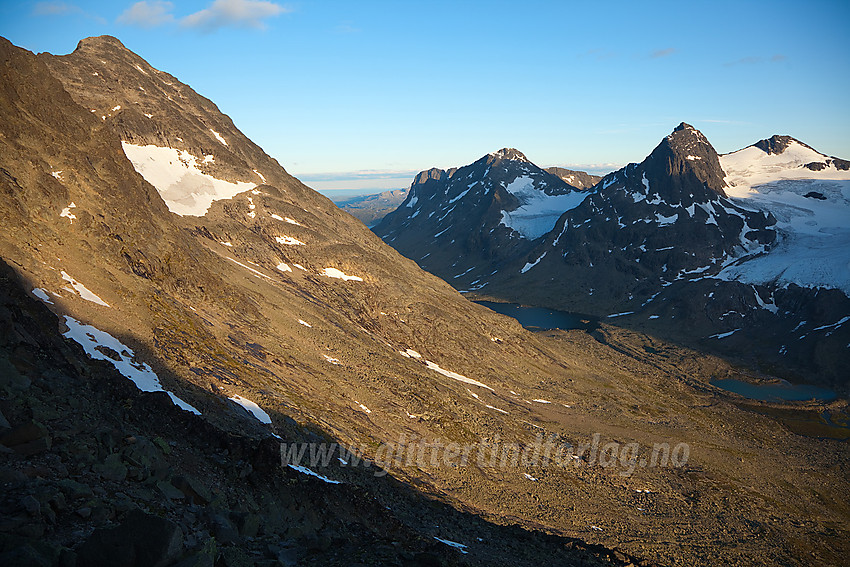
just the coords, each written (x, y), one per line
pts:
(540, 317)
(784, 391)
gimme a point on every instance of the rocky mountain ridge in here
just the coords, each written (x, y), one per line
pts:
(578, 179)
(661, 247)
(505, 202)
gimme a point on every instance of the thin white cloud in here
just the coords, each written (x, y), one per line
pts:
(598, 54)
(59, 8)
(147, 14)
(55, 9)
(663, 52)
(365, 174)
(235, 13)
(756, 60)
(347, 28)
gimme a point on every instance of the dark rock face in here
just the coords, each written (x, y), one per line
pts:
(686, 165)
(840, 164)
(776, 144)
(650, 222)
(141, 540)
(27, 439)
(641, 224)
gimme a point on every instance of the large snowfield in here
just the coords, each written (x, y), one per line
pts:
(538, 212)
(813, 244)
(185, 189)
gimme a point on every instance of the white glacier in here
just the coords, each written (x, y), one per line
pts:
(538, 212)
(813, 233)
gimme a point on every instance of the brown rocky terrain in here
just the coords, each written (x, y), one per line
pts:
(349, 342)
(95, 473)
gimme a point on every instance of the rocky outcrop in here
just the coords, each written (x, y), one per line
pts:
(578, 179)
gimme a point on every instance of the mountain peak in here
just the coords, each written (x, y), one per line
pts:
(100, 42)
(685, 131)
(777, 144)
(429, 174)
(689, 142)
(509, 153)
(687, 158)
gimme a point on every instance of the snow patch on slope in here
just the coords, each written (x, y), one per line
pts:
(252, 408)
(288, 240)
(530, 265)
(305, 470)
(42, 295)
(83, 291)
(538, 212)
(66, 212)
(218, 136)
(804, 260)
(338, 274)
(175, 174)
(103, 346)
(455, 375)
(459, 546)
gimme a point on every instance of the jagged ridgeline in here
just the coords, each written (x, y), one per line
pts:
(743, 254)
(176, 306)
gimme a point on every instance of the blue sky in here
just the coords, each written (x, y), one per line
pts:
(360, 95)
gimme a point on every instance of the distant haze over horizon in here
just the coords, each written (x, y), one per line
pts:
(360, 97)
(339, 186)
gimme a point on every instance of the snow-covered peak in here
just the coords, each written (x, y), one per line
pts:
(768, 161)
(811, 206)
(509, 153)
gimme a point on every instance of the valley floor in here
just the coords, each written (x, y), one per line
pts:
(763, 483)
